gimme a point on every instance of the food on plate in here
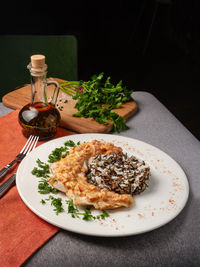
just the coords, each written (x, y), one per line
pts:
(81, 175)
(118, 173)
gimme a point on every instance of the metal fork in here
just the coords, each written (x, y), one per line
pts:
(19, 157)
(30, 145)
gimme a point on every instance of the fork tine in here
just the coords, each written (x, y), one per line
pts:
(37, 138)
(29, 144)
(33, 144)
(30, 137)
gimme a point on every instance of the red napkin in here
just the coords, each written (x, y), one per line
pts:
(21, 231)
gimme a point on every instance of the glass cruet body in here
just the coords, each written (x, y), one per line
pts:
(40, 117)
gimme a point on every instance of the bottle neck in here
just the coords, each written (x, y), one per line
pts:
(38, 85)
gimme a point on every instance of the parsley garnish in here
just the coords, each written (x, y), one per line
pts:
(57, 203)
(87, 215)
(57, 154)
(43, 201)
(44, 188)
(96, 99)
(71, 209)
(42, 171)
(70, 143)
(61, 152)
(103, 215)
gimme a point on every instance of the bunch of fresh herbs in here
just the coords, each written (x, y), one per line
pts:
(97, 98)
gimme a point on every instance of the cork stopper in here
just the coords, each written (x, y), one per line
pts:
(38, 61)
(38, 66)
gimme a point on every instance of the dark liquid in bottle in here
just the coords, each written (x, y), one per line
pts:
(39, 119)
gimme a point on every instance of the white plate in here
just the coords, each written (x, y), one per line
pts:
(162, 201)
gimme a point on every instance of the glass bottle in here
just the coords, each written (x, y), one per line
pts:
(40, 117)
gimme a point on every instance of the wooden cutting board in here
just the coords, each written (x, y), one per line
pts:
(65, 104)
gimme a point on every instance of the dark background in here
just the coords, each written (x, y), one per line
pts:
(150, 45)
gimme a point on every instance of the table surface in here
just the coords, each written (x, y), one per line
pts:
(175, 244)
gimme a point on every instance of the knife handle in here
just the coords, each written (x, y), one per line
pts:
(6, 168)
(7, 184)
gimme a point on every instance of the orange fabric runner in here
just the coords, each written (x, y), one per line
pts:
(21, 231)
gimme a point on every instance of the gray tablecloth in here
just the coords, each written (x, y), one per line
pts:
(175, 244)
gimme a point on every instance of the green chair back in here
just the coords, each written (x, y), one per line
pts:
(15, 52)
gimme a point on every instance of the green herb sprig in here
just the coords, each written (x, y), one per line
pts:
(97, 98)
(56, 202)
(86, 215)
(44, 188)
(61, 152)
(42, 170)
